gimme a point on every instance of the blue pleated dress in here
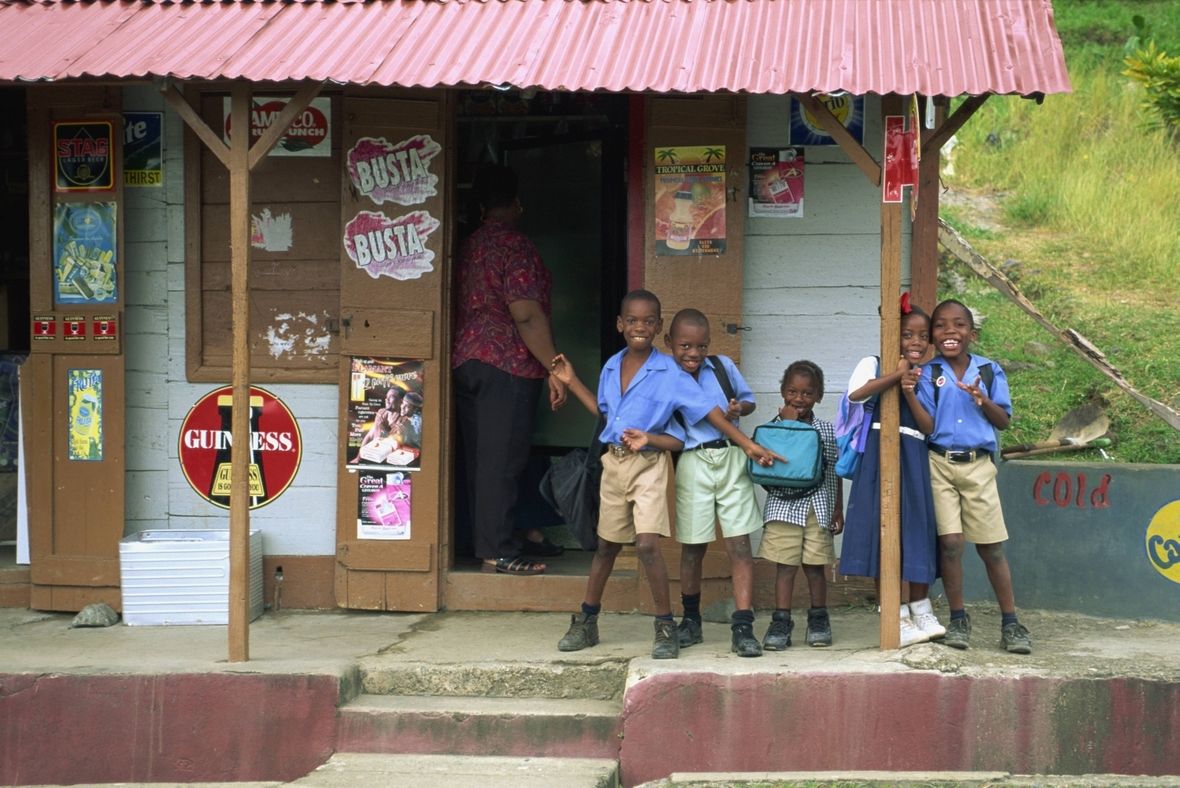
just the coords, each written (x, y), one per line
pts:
(860, 554)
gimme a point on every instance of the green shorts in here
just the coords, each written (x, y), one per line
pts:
(712, 485)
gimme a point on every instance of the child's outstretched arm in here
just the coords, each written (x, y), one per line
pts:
(736, 409)
(758, 454)
(877, 385)
(637, 440)
(909, 389)
(837, 525)
(998, 417)
(563, 370)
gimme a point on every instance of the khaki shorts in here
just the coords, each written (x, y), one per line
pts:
(633, 496)
(966, 499)
(787, 543)
(712, 485)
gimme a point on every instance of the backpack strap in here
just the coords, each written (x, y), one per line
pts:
(987, 374)
(723, 378)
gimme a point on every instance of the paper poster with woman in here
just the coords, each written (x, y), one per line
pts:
(385, 414)
(690, 200)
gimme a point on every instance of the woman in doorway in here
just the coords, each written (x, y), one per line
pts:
(503, 349)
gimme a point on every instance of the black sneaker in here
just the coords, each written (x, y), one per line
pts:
(667, 645)
(583, 632)
(744, 642)
(1014, 638)
(689, 632)
(819, 628)
(958, 632)
(778, 636)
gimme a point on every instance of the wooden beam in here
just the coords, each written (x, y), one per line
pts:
(239, 501)
(197, 124)
(890, 409)
(934, 140)
(842, 136)
(281, 123)
(924, 249)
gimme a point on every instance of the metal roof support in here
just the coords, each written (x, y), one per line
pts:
(240, 157)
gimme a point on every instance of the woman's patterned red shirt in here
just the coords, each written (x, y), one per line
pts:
(498, 266)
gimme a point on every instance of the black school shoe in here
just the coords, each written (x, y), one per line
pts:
(744, 642)
(819, 628)
(689, 632)
(1014, 638)
(958, 633)
(778, 636)
(667, 644)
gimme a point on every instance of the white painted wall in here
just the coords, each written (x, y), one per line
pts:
(811, 286)
(302, 521)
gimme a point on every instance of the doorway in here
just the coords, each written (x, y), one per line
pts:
(569, 152)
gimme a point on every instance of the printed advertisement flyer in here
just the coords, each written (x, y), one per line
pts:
(383, 505)
(310, 134)
(690, 200)
(85, 392)
(848, 109)
(143, 149)
(83, 160)
(84, 250)
(385, 414)
(776, 182)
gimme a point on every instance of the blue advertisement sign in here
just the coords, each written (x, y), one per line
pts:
(84, 252)
(143, 149)
(848, 109)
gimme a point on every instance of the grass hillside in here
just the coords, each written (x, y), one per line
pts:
(1082, 194)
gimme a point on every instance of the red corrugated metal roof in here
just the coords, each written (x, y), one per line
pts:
(932, 47)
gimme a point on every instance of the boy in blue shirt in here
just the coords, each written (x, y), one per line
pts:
(639, 390)
(963, 400)
(712, 486)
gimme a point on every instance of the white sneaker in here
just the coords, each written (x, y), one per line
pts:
(922, 613)
(910, 633)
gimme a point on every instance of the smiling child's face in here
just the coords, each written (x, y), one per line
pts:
(915, 338)
(800, 392)
(689, 345)
(640, 323)
(952, 330)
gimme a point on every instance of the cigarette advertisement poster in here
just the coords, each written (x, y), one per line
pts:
(776, 182)
(84, 251)
(310, 134)
(83, 159)
(85, 390)
(690, 200)
(383, 505)
(385, 414)
(848, 109)
(143, 149)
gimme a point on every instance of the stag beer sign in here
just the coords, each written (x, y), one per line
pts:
(206, 447)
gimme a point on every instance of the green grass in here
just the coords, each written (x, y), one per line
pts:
(1091, 208)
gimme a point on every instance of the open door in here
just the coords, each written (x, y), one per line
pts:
(394, 261)
(711, 283)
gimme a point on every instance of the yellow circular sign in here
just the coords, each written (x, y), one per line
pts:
(839, 106)
(1163, 541)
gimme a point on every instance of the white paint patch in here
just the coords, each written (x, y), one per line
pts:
(270, 232)
(279, 344)
(298, 335)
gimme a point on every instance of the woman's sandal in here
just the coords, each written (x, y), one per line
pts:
(513, 566)
(542, 549)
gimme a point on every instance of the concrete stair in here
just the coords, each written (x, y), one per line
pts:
(505, 709)
(441, 771)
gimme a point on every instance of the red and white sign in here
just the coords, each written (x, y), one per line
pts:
(206, 447)
(44, 327)
(104, 328)
(73, 327)
(902, 152)
(391, 247)
(310, 134)
(398, 173)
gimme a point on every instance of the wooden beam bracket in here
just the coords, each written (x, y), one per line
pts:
(195, 122)
(278, 128)
(861, 157)
(933, 140)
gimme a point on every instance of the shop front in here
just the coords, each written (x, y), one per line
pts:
(354, 222)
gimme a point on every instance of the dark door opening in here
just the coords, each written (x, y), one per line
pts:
(569, 152)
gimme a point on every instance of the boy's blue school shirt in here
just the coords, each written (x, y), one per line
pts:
(959, 424)
(659, 388)
(702, 431)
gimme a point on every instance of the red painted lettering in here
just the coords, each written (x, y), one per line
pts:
(1043, 479)
(1062, 491)
(1081, 491)
(1100, 498)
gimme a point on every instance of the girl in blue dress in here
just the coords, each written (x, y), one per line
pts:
(861, 551)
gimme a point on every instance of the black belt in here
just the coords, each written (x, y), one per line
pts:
(960, 456)
(720, 443)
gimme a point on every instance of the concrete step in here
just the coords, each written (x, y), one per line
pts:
(353, 770)
(582, 680)
(481, 726)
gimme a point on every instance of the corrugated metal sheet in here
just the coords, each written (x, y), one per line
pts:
(932, 47)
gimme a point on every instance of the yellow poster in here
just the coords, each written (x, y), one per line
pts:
(690, 200)
(85, 389)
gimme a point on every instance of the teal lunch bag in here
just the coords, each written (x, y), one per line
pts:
(800, 444)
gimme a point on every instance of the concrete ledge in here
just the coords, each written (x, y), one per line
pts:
(433, 771)
(602, 681)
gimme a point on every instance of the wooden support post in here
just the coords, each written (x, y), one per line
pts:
(239, 501)
(924, 249)
(889, 408)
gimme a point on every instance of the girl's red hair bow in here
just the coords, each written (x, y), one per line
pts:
(905, 304)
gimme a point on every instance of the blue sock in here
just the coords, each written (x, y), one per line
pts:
(667, 618)
(591, 610)
(957, 614)
(1008, 618)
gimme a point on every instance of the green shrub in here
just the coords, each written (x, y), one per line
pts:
(1160, 77)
